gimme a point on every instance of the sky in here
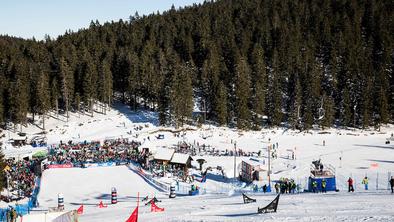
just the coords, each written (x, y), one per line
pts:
(35, 18)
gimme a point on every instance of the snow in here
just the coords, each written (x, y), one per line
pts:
(164, 154)
(92, 185)
(354, 153)
(180, 158)
(254, 162)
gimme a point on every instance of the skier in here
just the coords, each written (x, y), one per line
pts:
(323, 186)
(277, 188)
(324, 143)
(265, 188)
(365, 182)
(314, 187)
(350, 184)
(392, 184)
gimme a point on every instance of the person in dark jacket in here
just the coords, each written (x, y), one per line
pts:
(392, 184)
(265, 188)
(350, 184)
(277, 187)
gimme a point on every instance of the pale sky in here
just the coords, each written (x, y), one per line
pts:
(28, 18)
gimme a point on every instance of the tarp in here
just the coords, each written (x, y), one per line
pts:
(40, 154)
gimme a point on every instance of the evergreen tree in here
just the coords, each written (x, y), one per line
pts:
(65, 74)
(341, 52)
(2, 86)
(43, 95)
(242, 94)
(19, 100)
(221, 104)
(181, 96)
(259, 82)
(295, 115)
(133, 80)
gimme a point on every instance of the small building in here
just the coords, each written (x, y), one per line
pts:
(163, 156)
(183, 161)
(19, 141)
(252, 169)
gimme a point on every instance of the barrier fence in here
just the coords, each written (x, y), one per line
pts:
(149, 178)
(23, 209)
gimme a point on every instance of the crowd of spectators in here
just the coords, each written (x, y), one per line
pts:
(286, 185)
(117, 150)
(21, 178)
(201, 149)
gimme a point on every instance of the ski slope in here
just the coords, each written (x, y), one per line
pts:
(362, 152)
(89, 186)
(92, 185)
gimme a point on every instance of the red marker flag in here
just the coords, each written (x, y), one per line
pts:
(101, 205)
(80, 210)
(134, 216)
(155, 208)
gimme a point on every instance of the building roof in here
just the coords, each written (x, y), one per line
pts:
(163, 154)
(19, 138)
(254, 162)
(180, 158)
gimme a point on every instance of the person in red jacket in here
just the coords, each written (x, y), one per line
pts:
(350, 183)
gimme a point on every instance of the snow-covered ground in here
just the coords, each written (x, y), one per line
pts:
(362, 152)
(92, 185)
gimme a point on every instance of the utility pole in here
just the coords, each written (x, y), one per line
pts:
(269, 165)
(235, 160)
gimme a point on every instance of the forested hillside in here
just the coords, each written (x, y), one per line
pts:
(290, 60)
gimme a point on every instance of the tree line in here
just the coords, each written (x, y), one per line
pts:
(241, 62)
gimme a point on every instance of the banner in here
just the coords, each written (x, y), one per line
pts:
(106, 164)
(54, 166)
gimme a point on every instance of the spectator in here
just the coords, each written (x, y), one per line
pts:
(350, 184)
(365, 182)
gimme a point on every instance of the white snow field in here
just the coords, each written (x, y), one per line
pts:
(92, 185)
(362, 153)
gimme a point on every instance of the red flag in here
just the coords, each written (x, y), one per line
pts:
(80, 210)
(374, 165)
(154, 207)
(134, 216)
(101, 205)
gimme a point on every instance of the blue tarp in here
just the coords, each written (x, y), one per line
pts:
(330, 184)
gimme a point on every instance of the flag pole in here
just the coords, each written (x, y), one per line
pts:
(138, 199)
